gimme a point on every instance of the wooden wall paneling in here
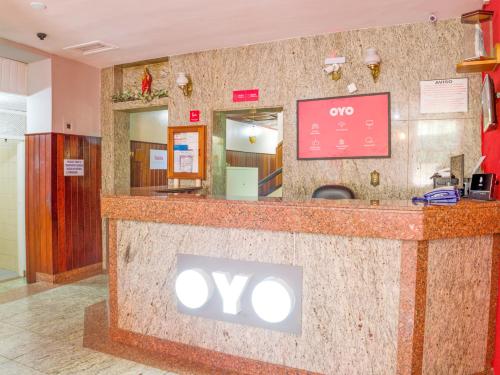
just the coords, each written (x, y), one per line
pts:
(40, 234)
(63, 221)
(48, 212)
(73, 214)
(140, 174)
(31, 255)
(88, 244)
(97, 202)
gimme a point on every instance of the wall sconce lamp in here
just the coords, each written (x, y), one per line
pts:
(333, 67)
(184, 84)
(372, 60)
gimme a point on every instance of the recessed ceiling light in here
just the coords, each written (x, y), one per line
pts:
(38, 5)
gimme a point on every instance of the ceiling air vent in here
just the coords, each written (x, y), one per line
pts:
(92, 47)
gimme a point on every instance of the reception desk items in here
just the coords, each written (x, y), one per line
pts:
(347, 127)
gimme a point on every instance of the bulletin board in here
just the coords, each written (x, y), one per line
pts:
(187, 152)
(346, 127)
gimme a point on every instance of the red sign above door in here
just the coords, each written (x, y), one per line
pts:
(194, 116)
(246, 95)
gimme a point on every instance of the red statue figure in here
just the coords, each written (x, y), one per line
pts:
(146, 82)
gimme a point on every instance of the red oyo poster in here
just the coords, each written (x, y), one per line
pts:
(347, 127)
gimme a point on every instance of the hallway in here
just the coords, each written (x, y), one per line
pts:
(43, 333)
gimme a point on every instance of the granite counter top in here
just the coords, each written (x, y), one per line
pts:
(396, 219)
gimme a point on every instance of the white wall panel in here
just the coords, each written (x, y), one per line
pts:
(13, 76)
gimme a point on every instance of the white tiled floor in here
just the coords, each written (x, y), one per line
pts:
(43, 333)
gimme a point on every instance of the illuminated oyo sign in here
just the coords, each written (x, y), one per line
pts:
(251, 293)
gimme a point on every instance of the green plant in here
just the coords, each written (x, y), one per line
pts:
(127, 96)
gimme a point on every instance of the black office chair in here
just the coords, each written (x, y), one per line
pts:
(333, 192)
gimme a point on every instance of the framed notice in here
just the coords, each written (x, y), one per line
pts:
(444, 96)
(186, 152)
(74, 167)
(346, 127)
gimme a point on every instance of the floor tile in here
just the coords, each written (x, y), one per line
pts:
(21, 343)
(43, 334)
(14, 368)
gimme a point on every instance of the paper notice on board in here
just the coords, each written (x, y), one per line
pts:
(186, 147)
(157, 159)
(444, 96)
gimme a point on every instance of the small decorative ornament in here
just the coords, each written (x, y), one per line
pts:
(375, 178)
(147, 80)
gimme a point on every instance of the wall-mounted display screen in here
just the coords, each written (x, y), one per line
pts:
(346, 127)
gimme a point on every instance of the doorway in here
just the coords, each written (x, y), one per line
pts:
(247, 153)
(12, 188)
(148, 149)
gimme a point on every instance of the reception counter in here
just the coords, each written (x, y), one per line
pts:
(380, 287)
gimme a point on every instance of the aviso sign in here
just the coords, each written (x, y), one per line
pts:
(250, 293)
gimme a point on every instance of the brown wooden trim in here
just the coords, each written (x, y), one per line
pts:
(67, 134)
(495, 264)
(202, 144)
(71, 276)
(149, 143)
(158, 60)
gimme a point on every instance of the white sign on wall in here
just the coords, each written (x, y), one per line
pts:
(444, 96)
(74, 167)
(158, 159)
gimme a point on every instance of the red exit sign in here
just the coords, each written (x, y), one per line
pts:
(194, 116)
(246, 95)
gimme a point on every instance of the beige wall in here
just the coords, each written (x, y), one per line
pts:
(288, 70)
(75, 97)
(8, 205)
(39, 100)
(62, 91)
(149, 126)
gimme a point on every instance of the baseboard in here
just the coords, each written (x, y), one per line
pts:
(71, 276)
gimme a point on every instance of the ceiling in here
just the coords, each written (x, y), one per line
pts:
(155, 28)
(267, 120)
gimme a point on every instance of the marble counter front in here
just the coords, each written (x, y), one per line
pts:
(388, 287)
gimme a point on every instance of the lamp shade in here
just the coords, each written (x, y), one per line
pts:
(371, 56)
(182, 79)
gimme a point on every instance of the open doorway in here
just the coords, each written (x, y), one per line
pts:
(12, 188)
(247, 153)
(148, 149)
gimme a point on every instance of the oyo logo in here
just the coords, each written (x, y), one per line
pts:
(341, 111)
(272, 299)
